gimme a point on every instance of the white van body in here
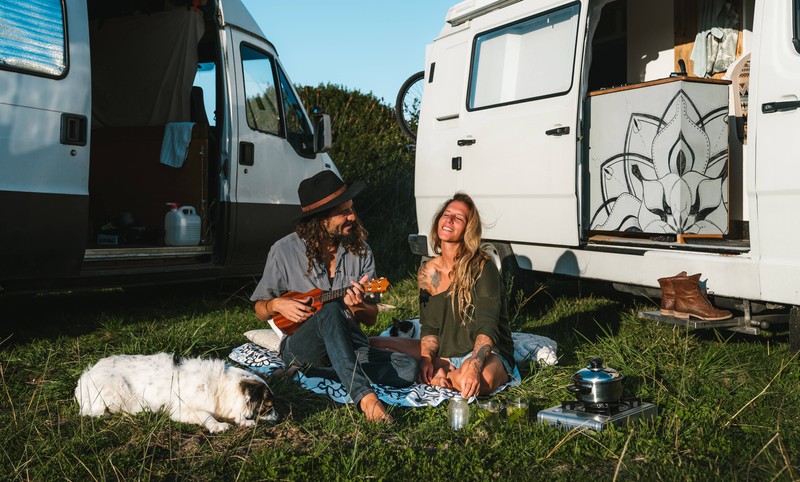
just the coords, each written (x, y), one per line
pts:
(510, 115)
(88, 91)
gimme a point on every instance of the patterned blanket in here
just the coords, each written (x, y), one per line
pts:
(260, 360)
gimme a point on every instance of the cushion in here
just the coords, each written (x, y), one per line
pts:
(265, 337)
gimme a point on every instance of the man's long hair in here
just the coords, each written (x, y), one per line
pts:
(314, 234)
(470, 258)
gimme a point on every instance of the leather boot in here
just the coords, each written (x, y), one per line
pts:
(690, 301)
(668, 294)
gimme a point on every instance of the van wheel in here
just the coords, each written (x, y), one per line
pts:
(407, 104)
(794, 329)
(513, 276)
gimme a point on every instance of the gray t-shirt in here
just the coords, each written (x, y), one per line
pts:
(287, 270)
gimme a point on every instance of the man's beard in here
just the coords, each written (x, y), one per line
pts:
(342, 237)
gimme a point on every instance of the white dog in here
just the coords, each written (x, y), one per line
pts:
(191, 390)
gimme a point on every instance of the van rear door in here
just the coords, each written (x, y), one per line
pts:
(774, 119)
(44, 154)
(517, 139)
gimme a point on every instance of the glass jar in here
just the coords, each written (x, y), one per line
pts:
(458, 413)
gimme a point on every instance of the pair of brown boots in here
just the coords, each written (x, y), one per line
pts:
(682, 298)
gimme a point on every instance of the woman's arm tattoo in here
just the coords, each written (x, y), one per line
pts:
(484, 348)
(429, 345)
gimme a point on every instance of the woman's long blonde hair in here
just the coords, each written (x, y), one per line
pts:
(470, 258)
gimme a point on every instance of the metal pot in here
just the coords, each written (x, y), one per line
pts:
(597, 383)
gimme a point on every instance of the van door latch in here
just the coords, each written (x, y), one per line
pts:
(558, 131)
(466, 142)
(770, 107)
(455, 163)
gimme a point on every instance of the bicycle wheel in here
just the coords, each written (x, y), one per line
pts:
(407, 105)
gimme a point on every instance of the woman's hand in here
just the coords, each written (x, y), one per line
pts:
(470, 378)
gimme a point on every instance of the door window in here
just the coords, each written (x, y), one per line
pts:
(529, 59)
(32, 37)
(261, 97)
(298, 129)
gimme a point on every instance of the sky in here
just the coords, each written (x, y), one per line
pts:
(365, 45)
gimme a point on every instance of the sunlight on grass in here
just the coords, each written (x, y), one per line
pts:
(728, 406)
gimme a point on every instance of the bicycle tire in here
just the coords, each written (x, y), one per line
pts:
(407, 104)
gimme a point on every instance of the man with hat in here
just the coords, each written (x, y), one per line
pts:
(328, 250)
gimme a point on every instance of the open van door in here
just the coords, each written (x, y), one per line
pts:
(775, 101)
(44, 134)
(517, 141)
(274, 152)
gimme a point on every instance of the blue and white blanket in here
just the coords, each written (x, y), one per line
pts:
(263, 361)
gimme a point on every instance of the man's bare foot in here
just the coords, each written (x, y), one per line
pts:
(286, 372)
(374, 410)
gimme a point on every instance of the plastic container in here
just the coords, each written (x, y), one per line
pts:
(182, 226)
(458, 413)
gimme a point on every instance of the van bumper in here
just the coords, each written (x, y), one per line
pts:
(418, 244)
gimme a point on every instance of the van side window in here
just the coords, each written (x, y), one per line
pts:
(529, 59)
(32, 37)
(298, 129)
(261, 97)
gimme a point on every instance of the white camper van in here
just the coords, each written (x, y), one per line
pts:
(112, 110)
(623, 140)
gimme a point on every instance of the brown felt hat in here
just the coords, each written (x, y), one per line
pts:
(324, 190)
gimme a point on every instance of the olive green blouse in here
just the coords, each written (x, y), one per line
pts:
(489, 318)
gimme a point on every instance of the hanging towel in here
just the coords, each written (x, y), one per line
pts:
(175, 147)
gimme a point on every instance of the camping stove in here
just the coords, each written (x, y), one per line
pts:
(596, 416)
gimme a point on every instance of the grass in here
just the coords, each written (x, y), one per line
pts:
(728, 405)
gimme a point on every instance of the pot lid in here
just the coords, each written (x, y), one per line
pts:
(597, 373)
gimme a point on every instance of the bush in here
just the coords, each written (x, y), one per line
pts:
(368, 145)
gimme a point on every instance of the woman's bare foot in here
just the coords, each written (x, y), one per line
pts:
(374, 410)
(441, 381)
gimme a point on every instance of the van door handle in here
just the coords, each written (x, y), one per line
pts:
(558, 131)
(770, 107)
(247, 153)
(466, 142)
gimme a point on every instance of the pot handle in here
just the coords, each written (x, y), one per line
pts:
(578, 389)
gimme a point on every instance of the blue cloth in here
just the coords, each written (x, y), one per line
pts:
(175, 146)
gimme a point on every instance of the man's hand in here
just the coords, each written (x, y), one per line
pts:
(355, 294)
(425, 369)
(294, 310)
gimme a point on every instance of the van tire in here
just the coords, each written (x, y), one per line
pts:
(512, 275)
(794, 329)
(408, 89)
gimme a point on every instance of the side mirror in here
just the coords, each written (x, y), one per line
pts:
(323, 139)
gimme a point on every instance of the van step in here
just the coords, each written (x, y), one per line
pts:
(727, 246)
(100, 254)
(738, 324)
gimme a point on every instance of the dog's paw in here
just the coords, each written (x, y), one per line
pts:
(247, 423)
(217, 427)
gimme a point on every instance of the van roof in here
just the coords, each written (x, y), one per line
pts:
(234, 13)
(469, 9)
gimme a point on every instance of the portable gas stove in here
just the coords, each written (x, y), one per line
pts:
(596, 416)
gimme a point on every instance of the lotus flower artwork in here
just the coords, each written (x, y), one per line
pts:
(672, 176)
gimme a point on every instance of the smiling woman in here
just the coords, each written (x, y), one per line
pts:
(466, 340)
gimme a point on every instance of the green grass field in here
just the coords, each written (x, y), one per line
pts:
(728, 406)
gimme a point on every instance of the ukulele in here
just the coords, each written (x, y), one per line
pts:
(318, 297)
